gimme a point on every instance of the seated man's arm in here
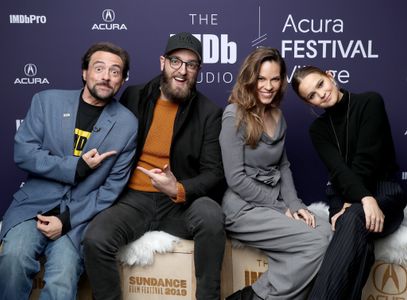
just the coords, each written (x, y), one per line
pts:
(30, 154)
(210, 179)
(83, 210)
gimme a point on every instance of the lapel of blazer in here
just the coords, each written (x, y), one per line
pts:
(70, 110)
(102, 127)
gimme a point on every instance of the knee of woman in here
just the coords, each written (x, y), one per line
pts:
(325, 240)
(352, 219)
(318, 243)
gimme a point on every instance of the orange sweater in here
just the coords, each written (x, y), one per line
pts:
(156, 151)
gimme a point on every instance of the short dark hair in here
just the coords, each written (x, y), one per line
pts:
(107, 47)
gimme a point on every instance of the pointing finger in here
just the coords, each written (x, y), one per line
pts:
(147, 172)
(107, 154)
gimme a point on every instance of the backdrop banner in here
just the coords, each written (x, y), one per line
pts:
(363, 42)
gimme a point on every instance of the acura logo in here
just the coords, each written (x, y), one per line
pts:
(390, 279)
(30, 70)
(108, 15)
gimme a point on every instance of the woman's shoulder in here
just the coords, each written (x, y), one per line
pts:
(368, 98)
(230, 110)
(231, 107)
(367, 103)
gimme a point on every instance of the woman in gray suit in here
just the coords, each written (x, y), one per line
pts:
(261, 204)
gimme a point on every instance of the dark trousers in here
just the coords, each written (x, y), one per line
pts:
(138, 212)
(350, 254)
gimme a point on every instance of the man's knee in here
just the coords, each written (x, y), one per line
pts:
(14, 258)
(99, 230)
(17, 252)
(206, 217)
(208, 211)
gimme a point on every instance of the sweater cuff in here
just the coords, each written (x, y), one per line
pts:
(82, 170)
(65, 220)
(294, 207)
(180, 194)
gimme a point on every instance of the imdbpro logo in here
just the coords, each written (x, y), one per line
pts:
(108, 15)
(30, 70)
(390, 279)
(27, 19)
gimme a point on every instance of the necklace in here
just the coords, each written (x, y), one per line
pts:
(347, 133)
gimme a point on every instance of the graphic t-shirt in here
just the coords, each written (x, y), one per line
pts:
(85, 122)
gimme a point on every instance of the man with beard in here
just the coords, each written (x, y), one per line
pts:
(178, 175)
(77, 147)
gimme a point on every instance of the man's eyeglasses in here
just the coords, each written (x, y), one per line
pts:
(176, 63)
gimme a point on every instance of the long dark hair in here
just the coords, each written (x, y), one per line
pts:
(244, 92)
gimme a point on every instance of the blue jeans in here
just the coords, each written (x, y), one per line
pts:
(19, 264)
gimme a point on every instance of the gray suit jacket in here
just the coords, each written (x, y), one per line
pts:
(44, 148)
(260, 176)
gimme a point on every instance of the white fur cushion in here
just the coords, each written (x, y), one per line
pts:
(392, 248)
(141, 252)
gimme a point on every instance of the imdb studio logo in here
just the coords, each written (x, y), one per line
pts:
(389, 281)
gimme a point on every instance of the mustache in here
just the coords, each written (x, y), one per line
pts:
(104, 83)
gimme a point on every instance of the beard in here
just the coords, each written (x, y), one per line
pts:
(95, 93)
(176, 95)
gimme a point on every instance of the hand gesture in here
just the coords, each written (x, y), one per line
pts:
(289, 214)
(50, 226)
(163, 180)
(373, 214)
(93, 159)
(306, 216)
(338, 214)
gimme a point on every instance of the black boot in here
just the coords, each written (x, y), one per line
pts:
(246, 293)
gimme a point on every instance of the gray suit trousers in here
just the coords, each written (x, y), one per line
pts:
(294, 250)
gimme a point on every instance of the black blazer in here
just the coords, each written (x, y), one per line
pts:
(195, 155)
